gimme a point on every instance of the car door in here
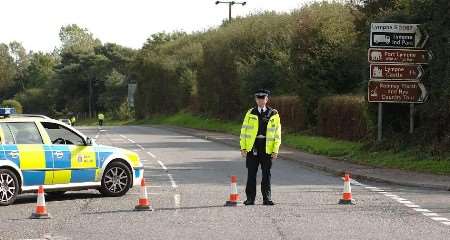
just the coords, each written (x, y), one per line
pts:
(73, 161)
(2, 141)
(24, 146)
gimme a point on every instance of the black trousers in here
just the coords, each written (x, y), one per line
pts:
(252, 163)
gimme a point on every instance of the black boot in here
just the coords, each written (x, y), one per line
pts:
(248, 202)
(268, 203)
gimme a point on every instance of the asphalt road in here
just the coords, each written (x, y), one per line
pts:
(189, 184)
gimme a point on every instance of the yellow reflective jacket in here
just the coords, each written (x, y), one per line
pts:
(250, 129)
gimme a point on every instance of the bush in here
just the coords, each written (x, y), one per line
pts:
(291, 111)
(35, 100)
(13, 104)
(327, 57)
(343, 117)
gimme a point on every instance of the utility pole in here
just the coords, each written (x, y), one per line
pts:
(230, 4)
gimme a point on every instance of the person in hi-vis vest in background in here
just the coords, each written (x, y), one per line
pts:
(260, 142)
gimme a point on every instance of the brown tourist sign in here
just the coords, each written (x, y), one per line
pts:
(396, 92)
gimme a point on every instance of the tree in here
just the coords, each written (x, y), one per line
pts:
(7, 71)
(20, 56)
(327, 56)
(40, 70)
(77, 39)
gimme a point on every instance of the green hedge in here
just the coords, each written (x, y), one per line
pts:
(343, 117)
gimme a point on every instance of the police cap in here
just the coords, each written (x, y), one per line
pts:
(262, 93)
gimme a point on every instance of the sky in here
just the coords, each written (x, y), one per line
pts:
(36, 23)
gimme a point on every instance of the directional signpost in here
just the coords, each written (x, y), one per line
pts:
(397, 92)
(380, 55)
(396, 60)
(395, 72)
(397, 35)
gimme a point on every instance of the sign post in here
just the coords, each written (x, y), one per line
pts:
(396, 58)
(411, 118)
(397, 35)
(380, 122)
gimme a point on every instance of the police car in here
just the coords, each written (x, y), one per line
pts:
(36, 150)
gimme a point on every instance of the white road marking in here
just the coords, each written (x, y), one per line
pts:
(162, 165)
(177, 200)
(131, 140)
(412, 205)
(174, 184)
(141, 147)
(122, 136)
(421, 210)
(440, 219)
(151, 154)
(407, 203)
(430, 214)
(377, 190)
(391, 195)
(399, 199)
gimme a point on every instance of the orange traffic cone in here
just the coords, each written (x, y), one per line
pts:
(347, 195)
(234, 196)
(41, 209)
(144, 202)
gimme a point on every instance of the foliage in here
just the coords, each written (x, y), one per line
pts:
(327, 56)
(343, 117)
(165, 73)
(35, 100)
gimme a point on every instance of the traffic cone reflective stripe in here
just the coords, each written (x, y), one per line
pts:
(234, 195)
(41, 210)
(144, 202)
(347, 195)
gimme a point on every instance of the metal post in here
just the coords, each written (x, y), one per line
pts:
(90, 97)
(411, 118)
(380, 122)
(229, 11)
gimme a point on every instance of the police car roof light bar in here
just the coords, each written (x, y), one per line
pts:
(4, 112)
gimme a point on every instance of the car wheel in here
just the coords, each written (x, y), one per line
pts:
(116, 180)
(9, 187)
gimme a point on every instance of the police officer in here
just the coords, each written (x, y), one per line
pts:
(260, 141)
(73, 120)
(101, 118)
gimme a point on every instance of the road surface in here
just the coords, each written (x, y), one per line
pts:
(189, 184)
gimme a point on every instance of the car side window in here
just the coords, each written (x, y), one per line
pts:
(7, 135)
(60, 135)
(25, 133)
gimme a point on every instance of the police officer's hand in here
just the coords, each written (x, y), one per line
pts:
(243, 153)
(274, 156)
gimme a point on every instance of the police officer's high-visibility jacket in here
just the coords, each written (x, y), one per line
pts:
(101, 116)
(250, 129)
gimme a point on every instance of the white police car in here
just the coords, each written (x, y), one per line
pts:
(36, 150)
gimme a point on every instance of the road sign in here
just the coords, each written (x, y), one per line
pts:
(397, 35)
(395, 72)
(384, 55)
(397, 92)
